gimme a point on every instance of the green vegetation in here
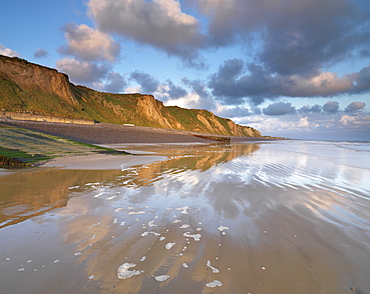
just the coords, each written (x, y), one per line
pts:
(30, 88)
(187, 118)
(19, 158)
(21, 147)
(214, 138)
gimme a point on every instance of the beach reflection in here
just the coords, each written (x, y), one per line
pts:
(29, 193)
(246, 218)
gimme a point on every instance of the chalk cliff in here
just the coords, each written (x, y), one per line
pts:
(30, 88)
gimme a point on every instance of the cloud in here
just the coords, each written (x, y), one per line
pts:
(175, 91)
(41, 53)
(235, 112)
(147, 82)
(345, 119)
(82, 71)
(8, 52)
(89, 44)
(355, 106)
(361, 81)
(303, 122)
(310, 109)
(158, 23)
(339, 125)
(231, 85)
(193, 95)
(358, 124)
(315, 112)
(236, 82)
(331, 107)
(279, 108)
(115, 83)
(93, 54)
(289, 45)
(280, 127)
(199, 88)
(293, 38)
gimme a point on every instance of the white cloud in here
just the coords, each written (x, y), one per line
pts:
(345, 119)
(357, 121)
(159, 23)
(313, 126)
(191, 100)
(286, 125)
(82, 71)
(136, 89)
(303, 122)
(323, 84)
(8, 52)
(89, 44)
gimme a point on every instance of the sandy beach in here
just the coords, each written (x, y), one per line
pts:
(257, 217)
(104, 133)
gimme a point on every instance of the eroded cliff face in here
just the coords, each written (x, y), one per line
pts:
(31, 88)
(153, 110)
(28, 77)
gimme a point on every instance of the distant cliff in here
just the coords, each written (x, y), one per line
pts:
(30, 88)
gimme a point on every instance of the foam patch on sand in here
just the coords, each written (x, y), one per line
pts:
(184, 226)
(151, 224)
(124, 271)
(184, 209)
(169, 245)
(147, 233)
(196, 237)
(162, 278)
(214, 270)
(222, 228)
(215, 283)
(135, 213)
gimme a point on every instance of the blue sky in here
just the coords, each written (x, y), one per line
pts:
(299, 69)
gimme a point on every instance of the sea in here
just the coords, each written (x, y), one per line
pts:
(286, 216)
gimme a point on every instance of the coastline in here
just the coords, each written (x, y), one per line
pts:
(30, 143)
(106, 133)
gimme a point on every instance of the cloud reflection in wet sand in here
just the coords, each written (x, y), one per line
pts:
(268, 219)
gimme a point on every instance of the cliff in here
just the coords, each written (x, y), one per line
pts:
(30, 88)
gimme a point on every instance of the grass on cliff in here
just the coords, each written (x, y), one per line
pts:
(21, 147)
(101, 106)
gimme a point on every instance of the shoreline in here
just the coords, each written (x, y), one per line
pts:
(107, 133)
(102, 135)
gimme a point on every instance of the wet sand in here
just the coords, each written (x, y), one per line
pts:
(102, 162)
(273, 217)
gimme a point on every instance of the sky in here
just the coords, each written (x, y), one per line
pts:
(298, 69)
